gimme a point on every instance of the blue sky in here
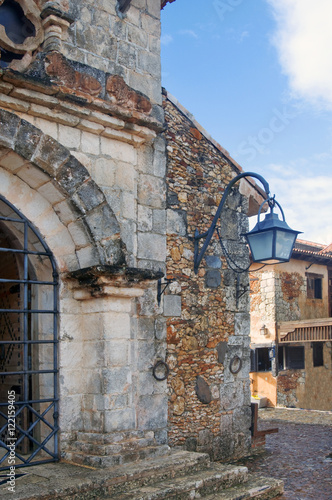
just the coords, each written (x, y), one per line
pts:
(257, 75)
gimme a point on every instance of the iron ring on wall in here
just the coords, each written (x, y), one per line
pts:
(235, 365)
(160, 364)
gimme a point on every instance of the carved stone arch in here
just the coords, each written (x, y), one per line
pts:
(62, 183)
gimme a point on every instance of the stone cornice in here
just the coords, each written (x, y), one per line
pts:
(107, 273)
(72, 107)
(111, 281)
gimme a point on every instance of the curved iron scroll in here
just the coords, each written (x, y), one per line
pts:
(198, 255)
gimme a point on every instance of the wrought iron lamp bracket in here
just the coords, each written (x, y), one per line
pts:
(199, 254)
(240, 291)
(161, 290)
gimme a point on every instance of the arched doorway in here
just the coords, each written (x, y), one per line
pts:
(28, 343)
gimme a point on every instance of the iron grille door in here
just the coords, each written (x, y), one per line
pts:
(28, 343)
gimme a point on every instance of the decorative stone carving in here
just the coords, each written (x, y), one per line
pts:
(59, 69)
(56, 22)
(123, 95)
(55, 27)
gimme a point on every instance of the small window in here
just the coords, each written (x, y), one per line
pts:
(314, 286)
(260, 360)
(295, 358)
(21, 34)
(17, 28)
(317, 354)
(291, 357)
(281, 363)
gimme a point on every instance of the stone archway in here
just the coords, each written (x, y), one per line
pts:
(37, 168)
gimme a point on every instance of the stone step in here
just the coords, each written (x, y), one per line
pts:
(259, 487)
(178, 475)
(196, 484)
(163, 468)
(85, 454)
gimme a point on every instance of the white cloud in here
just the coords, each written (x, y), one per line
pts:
(307, 203)
(166, 39)
(304, 42)
(188, 33)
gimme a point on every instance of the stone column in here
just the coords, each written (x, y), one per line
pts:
(55, 23)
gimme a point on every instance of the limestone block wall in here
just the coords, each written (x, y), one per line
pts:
(128, 46)
(110, 335)
(112, 410)
(82, 157)
(207, 327)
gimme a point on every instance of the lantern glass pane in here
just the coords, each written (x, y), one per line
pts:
(261, 245)
(284, 244)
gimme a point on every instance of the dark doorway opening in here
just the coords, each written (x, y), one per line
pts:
(28, 344)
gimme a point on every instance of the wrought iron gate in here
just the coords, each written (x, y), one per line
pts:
(28, 343)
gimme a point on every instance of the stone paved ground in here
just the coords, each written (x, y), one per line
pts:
(297, 453)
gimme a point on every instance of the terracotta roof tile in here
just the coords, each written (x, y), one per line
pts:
(314, 250)
(327, 249)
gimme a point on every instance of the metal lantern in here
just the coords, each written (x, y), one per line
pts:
(272, 240)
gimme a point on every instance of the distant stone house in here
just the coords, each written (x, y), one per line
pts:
(291, 329)
(90, 220)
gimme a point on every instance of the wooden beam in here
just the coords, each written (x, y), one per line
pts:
(309, 330)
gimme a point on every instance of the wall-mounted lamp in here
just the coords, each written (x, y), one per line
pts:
(264, 330)
(271, 241)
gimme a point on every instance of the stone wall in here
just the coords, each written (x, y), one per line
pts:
(262, 304)
(209, 407)
(81, 156)
(310, 388)
(127, 45)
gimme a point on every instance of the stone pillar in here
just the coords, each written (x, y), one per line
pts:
(113, 410)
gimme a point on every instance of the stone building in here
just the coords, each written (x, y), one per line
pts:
(86, 232)
(291, 329)
(81, 160)
(207, 314)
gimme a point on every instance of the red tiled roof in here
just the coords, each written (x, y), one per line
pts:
(312, 251)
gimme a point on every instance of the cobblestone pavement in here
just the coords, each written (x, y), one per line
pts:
(300, 453)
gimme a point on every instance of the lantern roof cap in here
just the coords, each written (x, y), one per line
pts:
(271, 221)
